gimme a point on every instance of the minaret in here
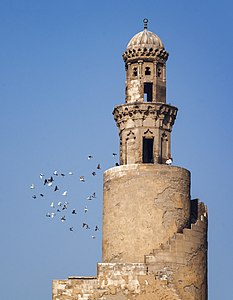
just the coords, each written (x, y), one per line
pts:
(154, 235)
(147, 203)
(145, 120)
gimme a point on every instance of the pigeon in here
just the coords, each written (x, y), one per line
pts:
(41, 176)
(89, 157)
(114, 154)
(71, 228)
(56, 188)
(64, 193)
(85, 209)
(55, 173)
(85, 225)
(34, 196)
(93, 173)
(98, 167)
(82, 178)
(64, 207)
(74, 212)
(96, 228)
(63, 219)
(169, 161)
(32, 186)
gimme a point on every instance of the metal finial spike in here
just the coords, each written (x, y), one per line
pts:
(145, 21)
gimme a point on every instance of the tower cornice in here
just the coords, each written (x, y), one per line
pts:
(164, 115)
(146, 54)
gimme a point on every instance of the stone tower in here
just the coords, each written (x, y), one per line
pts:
(154, 236)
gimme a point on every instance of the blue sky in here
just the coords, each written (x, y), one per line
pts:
(61, 74)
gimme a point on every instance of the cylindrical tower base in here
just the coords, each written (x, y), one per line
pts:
(144, 205)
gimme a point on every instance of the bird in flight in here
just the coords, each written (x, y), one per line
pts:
(70, 173)
(93, 173)
(114, 154)
(96, 228)
(86, 209)
(41, 176)
(32, 186)
(64, 206)
(74, 212)
(85, 225)
(71, 228)
(56, 188)
(34, 196)
(63, 219)
(89, 157)
(98, 167)
(64, 193)
(55, 173)
(82, 178)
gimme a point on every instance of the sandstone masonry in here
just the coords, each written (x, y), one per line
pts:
(154, 235)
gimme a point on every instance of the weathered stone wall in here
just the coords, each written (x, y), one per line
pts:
(174, 271)
(144, 120)
(144, 205)
(115, 282)
(182, 261)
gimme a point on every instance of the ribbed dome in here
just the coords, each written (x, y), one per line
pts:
(146, 39)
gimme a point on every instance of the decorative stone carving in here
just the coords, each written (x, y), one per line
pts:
(148, 54)
(166, 113)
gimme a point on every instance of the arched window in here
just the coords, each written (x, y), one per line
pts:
(147, 151)
(159, 72)
(135, 71)
(147, 71)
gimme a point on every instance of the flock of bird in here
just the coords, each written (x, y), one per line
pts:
(61, 210)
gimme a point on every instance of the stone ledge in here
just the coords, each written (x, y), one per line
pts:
(83, 277)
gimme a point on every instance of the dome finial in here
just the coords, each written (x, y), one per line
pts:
(145, 21)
